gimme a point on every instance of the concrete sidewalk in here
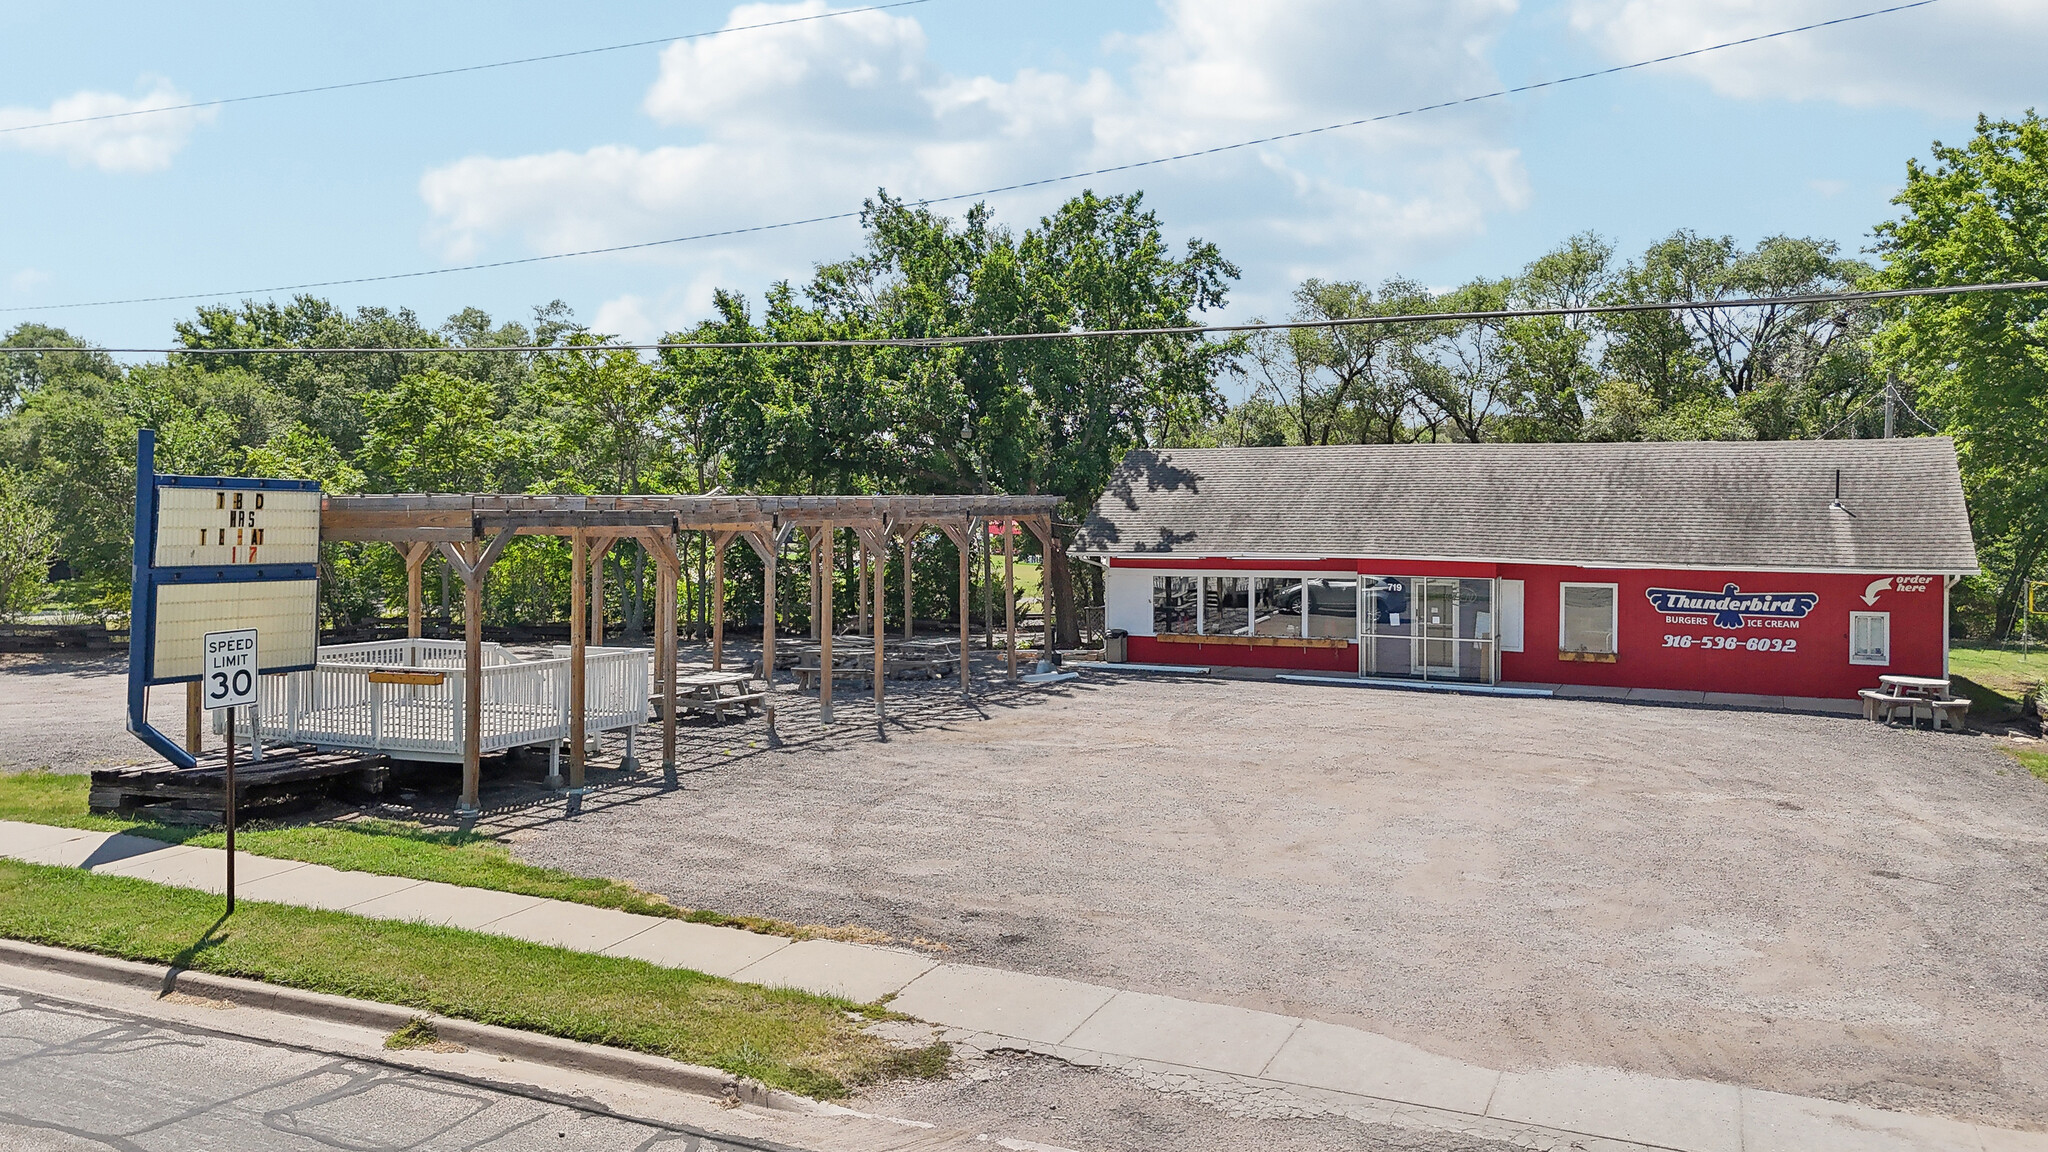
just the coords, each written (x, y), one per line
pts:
(1220, 1051)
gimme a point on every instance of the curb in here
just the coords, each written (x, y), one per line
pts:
(490, 1039)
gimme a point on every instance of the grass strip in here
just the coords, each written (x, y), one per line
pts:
(2035, 762)
(788, 1039)
(387, 848)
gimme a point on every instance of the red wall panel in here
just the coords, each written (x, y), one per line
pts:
(1687, 651)
(1146, 650)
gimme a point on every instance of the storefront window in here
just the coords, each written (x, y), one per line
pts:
(1173, 605)
(1226, 606)
(1586, 619)
(1332, 609)
(1276, 606)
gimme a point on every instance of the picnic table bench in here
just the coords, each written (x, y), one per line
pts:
(714, 692)
(1912, 694)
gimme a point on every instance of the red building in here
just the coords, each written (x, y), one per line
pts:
(1790, 568)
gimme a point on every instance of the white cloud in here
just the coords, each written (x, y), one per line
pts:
(26, 279)
(809, 119)
(1958, 57)
(127, 144)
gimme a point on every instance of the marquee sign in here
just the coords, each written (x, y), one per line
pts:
(1731, 606)
(216, 554)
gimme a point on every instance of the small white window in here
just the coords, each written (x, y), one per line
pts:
(1511, 615)
(1870, 638)
(1585, 619)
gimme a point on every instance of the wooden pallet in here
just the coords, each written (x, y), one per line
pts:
(288, 779)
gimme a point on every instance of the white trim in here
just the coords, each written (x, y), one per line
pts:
(1520, 614)
(1887, 661)
(1589, 565)
(1613, 612)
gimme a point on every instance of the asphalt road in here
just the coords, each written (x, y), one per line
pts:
(74, 1079)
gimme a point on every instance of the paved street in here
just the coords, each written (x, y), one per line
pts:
(74, 1079)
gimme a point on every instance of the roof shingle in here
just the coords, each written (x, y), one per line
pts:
(1722, 504)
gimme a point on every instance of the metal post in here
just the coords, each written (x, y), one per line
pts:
(229, 789)
(1890, 398)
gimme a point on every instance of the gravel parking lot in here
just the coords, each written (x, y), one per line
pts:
(1806, 904)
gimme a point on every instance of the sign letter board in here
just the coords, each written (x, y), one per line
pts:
(218, 555)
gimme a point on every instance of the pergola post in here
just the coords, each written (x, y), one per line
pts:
(718, 542)
(812, 549)
(578, 557)
(195, 739)
(909, 607)
(861, 560)
(1010, 590)
(600, 547)
(414, 553)
(829, 560)
(471, 559)
(1043, 531)
(768, 545)
(668, 573)
(963, 542)
(875, 544)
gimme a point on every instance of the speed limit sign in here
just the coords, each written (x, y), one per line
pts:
(229, 677)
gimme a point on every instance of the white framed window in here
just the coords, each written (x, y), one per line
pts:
(1870, 638)
(1586, 618)
(1511, 615)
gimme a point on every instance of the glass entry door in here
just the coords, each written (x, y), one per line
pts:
(1427, 627)
(1386, 625)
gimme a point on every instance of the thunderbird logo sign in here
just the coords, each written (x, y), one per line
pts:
(1731, 605)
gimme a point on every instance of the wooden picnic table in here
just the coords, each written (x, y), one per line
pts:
(1932, 687)
(1914, 694)
(714, 692)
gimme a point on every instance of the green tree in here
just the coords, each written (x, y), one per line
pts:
(1978, 213)
(28, 545)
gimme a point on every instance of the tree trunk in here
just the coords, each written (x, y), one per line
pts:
(1059, 578)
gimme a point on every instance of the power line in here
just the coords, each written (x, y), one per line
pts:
(452, 71)
(1100, 333)
(757, 228)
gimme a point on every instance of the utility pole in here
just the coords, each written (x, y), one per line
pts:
(1891, 395)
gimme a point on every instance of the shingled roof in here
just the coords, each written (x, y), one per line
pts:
(1755, 505)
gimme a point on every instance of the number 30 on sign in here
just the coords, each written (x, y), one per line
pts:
(229, 680)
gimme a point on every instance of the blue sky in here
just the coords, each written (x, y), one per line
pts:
(1806, 135)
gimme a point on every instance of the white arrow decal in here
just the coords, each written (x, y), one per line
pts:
(1876, 586)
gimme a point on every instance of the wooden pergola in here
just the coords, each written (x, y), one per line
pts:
(472, 530)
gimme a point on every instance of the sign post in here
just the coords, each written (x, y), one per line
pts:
(229, 681)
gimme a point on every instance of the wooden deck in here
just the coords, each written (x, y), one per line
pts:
(288, 779)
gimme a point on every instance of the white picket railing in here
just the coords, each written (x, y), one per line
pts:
(525, 702)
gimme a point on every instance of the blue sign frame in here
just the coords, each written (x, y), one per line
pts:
(145, 577)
